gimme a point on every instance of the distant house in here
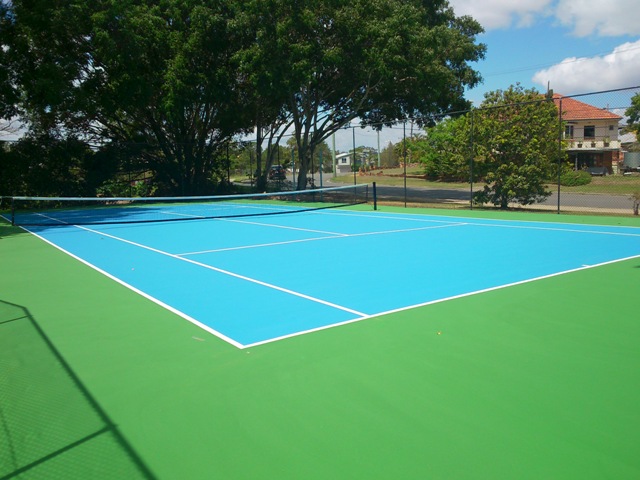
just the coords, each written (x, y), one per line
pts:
(364, 157)
(343, 162)
(630, 155)
(591, 133)
(627, 140)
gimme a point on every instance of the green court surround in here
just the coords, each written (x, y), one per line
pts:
(540, 380)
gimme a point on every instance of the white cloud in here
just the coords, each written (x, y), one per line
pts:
(493, 14)
(618, 69)
(584, 17)
(610, 18)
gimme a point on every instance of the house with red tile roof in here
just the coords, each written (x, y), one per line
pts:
(591, 134)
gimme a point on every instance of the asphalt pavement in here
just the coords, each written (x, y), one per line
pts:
(578, 202)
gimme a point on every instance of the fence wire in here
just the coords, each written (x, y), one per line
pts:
(580, 146)
(554, 153)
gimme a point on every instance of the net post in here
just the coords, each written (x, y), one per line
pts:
(375, 196)
(13, 213)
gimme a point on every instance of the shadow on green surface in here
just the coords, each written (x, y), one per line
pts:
(6, 230)
(50, 425)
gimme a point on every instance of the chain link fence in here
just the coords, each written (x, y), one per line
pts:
(571, 154)
(550, 152)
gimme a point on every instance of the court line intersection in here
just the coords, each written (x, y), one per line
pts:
(355, 313)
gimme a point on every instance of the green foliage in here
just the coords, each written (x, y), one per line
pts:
(524, 184)
(377, 60)
(48, 166)
(184, 77)
(633, 112)
(123, 188)
(8, 90)
(574, 178)
(150, 73)
(445, 150)
(390, 156)
(516, 148)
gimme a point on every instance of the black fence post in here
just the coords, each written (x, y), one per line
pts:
(375, 197)
(354, 167)
(404, 159)
(471, 163)
(559, 149)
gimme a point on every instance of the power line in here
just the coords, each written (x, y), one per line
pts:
(543, 65)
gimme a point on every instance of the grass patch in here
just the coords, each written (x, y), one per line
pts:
(611, 184)
(398, 181)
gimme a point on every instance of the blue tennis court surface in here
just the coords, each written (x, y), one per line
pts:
(259, 279)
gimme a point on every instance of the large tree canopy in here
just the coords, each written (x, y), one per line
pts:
(376, 60)
(180, 78)
(8, 90)
(158, 74)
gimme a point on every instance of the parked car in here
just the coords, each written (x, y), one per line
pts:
(598, 171)
(277, 172)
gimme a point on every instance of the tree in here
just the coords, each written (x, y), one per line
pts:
(515, 136)
(633, 114)
(389, 156)
(8, 90)
(181, 78)
(50, 166)
(263, 79)
(158, 74)
(375, 60)
(445, 149)
(322, 154)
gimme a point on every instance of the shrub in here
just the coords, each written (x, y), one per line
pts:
(573, 178)
(115, 188)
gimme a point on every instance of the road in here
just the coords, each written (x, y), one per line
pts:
(600, 203)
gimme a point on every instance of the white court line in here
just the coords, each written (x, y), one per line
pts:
(142, 293)
(247, 206)
(285, 227)
(339, 234)
(361, 316)
(433, 302)
(229, 249)
(184, 215)
(225, 272)
(261, 224)
(552, 229)
(314, 239)
(384, 215)
(402, 230)
(479, 222)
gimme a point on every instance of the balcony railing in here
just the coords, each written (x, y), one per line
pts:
(594, 144)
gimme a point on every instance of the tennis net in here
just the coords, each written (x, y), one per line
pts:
(47, 211)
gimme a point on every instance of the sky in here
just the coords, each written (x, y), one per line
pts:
(571, 46)
(574, 46)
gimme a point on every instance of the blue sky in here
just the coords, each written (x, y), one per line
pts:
(577, 46)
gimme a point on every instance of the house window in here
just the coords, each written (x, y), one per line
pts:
(589, 131)
(568, 131)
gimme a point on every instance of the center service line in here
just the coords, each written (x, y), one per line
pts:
(226, 272)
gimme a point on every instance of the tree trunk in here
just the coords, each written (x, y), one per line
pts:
(303, 168)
